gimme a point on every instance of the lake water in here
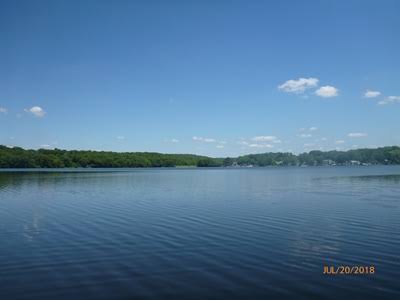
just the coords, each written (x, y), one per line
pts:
(260, 233)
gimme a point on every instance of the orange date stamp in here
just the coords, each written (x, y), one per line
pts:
(348, 270)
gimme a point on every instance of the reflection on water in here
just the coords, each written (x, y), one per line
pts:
(199, 234)
(32, 230)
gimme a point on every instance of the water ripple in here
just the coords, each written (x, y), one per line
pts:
(196, 234)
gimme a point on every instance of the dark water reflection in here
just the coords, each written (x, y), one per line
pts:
(199, 234)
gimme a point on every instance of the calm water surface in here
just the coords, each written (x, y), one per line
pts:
(200, 233)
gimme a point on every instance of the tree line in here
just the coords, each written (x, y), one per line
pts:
(17, 157)
(383, 155)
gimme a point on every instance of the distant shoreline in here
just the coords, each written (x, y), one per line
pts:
(121, 169)
(19, 158)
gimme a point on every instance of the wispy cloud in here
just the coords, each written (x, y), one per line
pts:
(203, 139)
(327, 91)
(3, 110)
(220, 146)
(120, 137)
(243, 143)
(357, 134)
(394, 98)
(389, 100)
(37, 111)
(256, 145)
(371, 94)
(264, 138)
(305, 135)
(171, 140)
(298, 86)
(312, 128)
(338, 142)
(260, 141)
(45, 146)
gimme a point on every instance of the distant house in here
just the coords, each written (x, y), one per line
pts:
(355, 163)
(328, 162)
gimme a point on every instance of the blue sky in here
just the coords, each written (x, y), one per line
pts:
(208, 77)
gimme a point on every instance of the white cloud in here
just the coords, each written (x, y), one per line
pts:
(389, 100)
(3, 110)
(264, 138)
(298, 86)
(312, 128)
(357, 134)
(44, 146)
(339, 142)
(171, 140)
(261, 141)
(37, 111)
(394, 98)
(327, 91)
(208, 140)
(120, 137)
(220, 146)
(261, 146)
(305, 135)
(203, 139)
(371, 94)
(324, 139)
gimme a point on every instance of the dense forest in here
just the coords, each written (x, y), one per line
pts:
(20, 158)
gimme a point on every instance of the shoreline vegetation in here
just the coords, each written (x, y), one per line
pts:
(17, 157)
